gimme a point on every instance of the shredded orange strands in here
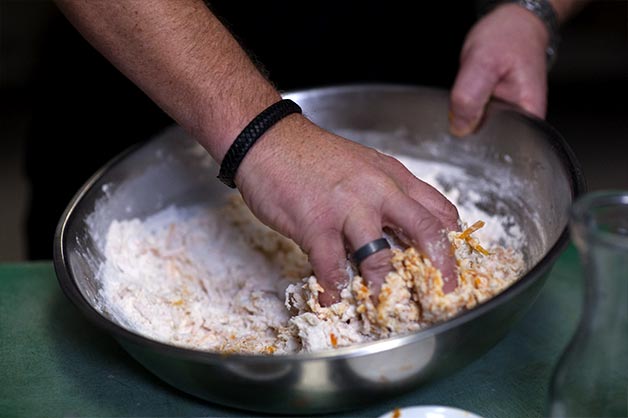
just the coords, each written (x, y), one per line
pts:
(470, 230)
(473, 243)
(270, 349)
(333, 339)
(477, 247)
(396, 413)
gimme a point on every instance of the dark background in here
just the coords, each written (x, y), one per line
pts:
(65, 111)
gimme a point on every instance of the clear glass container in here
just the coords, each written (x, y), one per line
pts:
(591, 378)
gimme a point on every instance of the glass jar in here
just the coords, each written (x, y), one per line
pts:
(591, 378)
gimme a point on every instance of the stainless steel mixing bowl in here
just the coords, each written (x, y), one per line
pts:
(520, 164)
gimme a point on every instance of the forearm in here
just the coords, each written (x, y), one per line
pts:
(180, 54)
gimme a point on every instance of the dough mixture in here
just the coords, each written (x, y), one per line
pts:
(217, 279)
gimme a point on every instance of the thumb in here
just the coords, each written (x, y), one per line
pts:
(472, 89)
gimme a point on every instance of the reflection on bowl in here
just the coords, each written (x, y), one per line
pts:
(381, 367)
(172, 169)
(429, 411)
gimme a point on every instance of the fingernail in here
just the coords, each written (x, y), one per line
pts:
(459, 126)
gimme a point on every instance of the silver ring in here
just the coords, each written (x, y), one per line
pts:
(369, 249)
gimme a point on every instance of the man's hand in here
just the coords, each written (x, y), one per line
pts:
(504, 57)
(323, 191)
(331, 195)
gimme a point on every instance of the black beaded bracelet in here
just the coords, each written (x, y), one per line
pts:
(250, 134)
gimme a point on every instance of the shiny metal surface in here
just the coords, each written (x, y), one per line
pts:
(523, 165)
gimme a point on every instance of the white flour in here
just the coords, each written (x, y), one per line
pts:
(216, 280)
(503, 229)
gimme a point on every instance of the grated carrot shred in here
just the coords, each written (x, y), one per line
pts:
(477, 247)
(470, 230)
(333, 339)
(473, 243)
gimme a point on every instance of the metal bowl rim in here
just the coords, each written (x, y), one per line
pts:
(70, 288)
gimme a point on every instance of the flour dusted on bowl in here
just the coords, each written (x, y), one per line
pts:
(217, 279)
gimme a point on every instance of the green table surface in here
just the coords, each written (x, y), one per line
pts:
(53, 362)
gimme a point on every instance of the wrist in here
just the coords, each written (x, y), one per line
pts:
(280, 145)
(541, 14)
(249, 136)
(224, 120)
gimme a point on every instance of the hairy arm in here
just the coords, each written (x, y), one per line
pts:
(299, 178)
(182, 57)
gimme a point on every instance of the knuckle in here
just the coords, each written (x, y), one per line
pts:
(329, 278)
(348, 186)
(483, 58)
(449, 211)
(467, 106)
(413, 186)
(340, 187)
(372, 153)
(461, 99)
(377, 265)
(489, 61)
(321, 223)
(328, 266)
(397, 169)
(387, 159)
(314, 238)
(423, 225)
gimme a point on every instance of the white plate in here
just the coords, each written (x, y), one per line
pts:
(429, 411)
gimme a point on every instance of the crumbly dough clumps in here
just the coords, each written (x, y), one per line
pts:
(264, 299)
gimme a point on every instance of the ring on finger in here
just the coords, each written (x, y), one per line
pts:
(369, 249)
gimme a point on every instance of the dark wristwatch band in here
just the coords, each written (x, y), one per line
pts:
(250, 134)
(544, 10)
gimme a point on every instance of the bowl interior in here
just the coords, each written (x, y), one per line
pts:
(517, 165)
